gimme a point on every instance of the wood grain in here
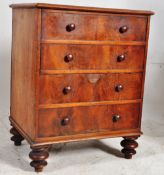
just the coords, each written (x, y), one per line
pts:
(89, 71)
(71, 138)
(91, 27)
(87, 119)
(87, 136)
(90, 57)
(89, 87)
(80, 8)
(94, 42)
(24, 64)
(67, 105)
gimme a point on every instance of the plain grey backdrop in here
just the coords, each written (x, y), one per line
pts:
(99, 157)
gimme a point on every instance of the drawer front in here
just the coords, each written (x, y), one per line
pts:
(73, 57)
(89, 87)
(77, 120)
(61, 25)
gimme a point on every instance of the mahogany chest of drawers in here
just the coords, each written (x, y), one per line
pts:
(77, 74)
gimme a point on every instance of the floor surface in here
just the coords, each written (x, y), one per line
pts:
(101, 157)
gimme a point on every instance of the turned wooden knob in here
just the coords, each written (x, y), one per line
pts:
(120, 58)
(123, 29)
(65, 121)
(116, 118)
(66, 90)
(119, 88)
(68, 58)
(70, 27)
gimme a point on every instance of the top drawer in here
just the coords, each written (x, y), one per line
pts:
(80, 26)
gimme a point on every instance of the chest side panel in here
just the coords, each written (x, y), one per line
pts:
(24, 69)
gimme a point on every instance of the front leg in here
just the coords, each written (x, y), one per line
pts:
(129, 144)
(39, 154)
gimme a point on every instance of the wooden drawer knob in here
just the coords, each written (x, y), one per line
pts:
(120, 58)
(66, 90)
(116, 118)
(65, 121)
(70, 27)
(68, 58)
(123, 29)
(119, 88)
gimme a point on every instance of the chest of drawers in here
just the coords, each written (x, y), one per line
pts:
(77, 74)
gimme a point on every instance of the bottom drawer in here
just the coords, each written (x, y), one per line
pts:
(86, 119)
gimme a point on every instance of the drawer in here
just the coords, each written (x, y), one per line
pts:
(67, 88)
(80, 26)
(78, 120)
(73, 57)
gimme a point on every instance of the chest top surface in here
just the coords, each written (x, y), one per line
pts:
(81, 8)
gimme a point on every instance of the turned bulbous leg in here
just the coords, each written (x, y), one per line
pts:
(129, 144)
(17, 137)
(39, 156)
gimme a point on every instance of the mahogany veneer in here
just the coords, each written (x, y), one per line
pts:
(77, 74)
(91, 87)
(84, 56)
(92, 27)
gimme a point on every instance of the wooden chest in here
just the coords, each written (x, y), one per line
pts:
(77, 74)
